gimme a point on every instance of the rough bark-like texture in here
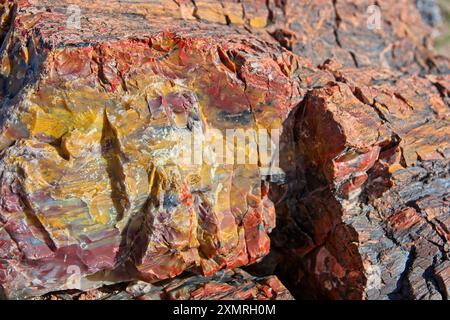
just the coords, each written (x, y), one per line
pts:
(224, 285)
(92, 126)
(349, 32)
(367, 214)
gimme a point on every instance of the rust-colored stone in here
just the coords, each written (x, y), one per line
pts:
(224, 285)
(371, 195)
(93, 189)
(92, 136)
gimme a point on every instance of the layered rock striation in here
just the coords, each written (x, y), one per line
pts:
(101, 104)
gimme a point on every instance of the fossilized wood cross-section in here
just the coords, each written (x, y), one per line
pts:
(98, 97)
(93, 122)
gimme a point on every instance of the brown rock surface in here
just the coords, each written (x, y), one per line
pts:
(93, 133)
(92, 125)
(362, 33)
(367, 214)
(224, 285)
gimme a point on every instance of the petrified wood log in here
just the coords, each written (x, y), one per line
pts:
(93, 189)
(92, 135)
(224, 285)
(367, 212)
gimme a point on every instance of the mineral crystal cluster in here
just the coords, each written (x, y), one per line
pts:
(100, 101)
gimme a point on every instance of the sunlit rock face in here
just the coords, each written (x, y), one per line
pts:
(114, 167)
(91, 172)
(367, 216)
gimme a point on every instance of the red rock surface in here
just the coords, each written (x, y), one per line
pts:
(224, 285)
(92, 135)
(368, 211)
(93, 192)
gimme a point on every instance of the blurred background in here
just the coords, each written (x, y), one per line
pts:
(437, 14)
(443, 39)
